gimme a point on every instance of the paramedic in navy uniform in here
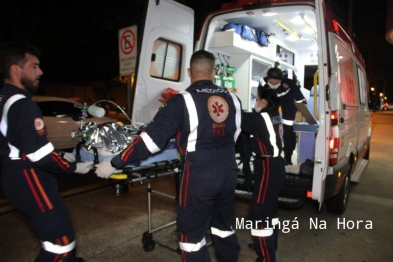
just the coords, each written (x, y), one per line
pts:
(288, 90)
(29, 160)
(206, 120)
(269, 172)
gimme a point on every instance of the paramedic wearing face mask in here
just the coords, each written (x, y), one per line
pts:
(288, 90)
(206, 121)
(269, 172)
(29, 160)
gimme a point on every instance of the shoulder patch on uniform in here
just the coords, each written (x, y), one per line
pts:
(39, 124)
(218, 108)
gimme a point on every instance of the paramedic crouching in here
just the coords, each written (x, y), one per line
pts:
(206, 121)
(28, 159)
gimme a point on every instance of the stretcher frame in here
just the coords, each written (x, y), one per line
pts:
(171, 167)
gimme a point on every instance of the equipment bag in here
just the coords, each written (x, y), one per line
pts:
(248, 33)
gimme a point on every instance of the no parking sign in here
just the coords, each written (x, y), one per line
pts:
(127, 50)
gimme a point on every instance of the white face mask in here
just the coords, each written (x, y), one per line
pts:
(274, 86)
(257, 109)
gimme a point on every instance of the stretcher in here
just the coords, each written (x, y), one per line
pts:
(161, 164)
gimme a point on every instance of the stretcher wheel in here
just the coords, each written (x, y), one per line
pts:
(148, 242)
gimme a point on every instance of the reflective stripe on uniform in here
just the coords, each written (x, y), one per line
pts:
(238, 115)
(221, 233)
(153, 148)
(53, 248)
(7, 105)
(283, 93)
(262, 232)
(272, 134)
(40, 153)
(193, 119)
(287, 122)
(14, 152)
(190, 247)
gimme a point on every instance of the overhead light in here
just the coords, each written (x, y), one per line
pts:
(292, 38)
(308, 31)
(267, 13)
(297, 20)
(254, 13)
(313, 47)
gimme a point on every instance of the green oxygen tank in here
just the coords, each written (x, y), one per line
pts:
(230, 80)
(223, 75)
(217, 78)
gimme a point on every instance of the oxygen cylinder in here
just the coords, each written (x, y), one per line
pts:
(217, 78)
(222, 75)
(230, 80)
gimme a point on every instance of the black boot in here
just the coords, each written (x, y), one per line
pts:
(288, 158)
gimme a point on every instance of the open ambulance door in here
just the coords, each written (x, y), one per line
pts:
(322, 141)
(165, 50)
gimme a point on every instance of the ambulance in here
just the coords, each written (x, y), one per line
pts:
(247, 37)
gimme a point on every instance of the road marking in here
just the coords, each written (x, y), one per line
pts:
(371, 199)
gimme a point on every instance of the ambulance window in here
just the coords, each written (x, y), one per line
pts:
(362, 86)
(165, 60)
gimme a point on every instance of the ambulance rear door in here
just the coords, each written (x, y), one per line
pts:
(322, 146)
(166, 48)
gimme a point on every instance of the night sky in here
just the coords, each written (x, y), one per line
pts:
(78, 38)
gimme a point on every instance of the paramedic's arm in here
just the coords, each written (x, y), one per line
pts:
(28, 123)
(295, 88)
(155, 136)
(248, 121)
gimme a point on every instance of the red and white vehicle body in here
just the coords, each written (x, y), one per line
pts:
(307, 38)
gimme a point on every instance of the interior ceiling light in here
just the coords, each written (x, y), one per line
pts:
(297, 20)
(254, 13)
(308, 31)
(292, 38)
(268, 13)
(314, 47)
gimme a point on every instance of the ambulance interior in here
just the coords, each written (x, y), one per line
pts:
(292, 41)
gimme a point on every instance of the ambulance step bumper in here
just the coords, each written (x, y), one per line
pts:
(294, 192)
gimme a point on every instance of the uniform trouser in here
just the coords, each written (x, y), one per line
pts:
(206, 200)
(269, 175)
(289, 138)
(34, 193)
(244, 149)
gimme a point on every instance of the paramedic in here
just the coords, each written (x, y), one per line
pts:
(28, 159)
(206, 120)
(269, 172)
(288, 90)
